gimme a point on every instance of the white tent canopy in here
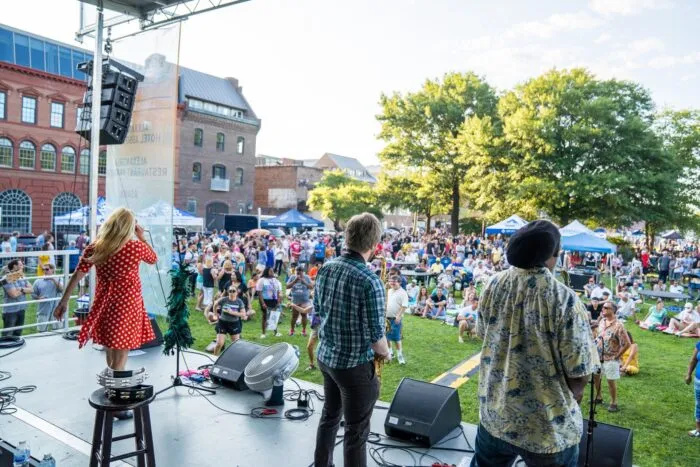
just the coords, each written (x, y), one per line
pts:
(574, 228)
(80, 217)
(163, 213)
(507, 226)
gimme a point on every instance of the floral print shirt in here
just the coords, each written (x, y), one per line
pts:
(536, 334)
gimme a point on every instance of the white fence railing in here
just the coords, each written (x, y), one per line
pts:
(65, 255)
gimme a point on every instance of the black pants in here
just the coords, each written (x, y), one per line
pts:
(10, 320)
(663, 276)
(351, 393)
(193, 282)
(278, 266)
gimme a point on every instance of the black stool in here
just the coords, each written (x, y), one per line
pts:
(101, 454)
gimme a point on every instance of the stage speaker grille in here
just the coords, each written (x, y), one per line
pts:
(230, 366)
(612, 446)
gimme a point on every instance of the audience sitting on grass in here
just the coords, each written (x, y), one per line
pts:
(412, 290)
(421, 301)
(626, 307)
(600, 290)
(693, 329)
(436, 304)
(467, 316)
(659, 286)
(675, 287)
(682, 320)
(594, 308)
(655, 318)
(588, 288)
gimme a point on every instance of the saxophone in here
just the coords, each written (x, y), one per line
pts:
(379, 361)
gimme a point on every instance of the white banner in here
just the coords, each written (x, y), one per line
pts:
(140, 172)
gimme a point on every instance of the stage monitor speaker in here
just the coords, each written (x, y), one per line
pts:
(230, 366)
(422, 412)
(612, 446)
(158, 341)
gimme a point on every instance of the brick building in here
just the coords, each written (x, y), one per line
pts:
(44, 165)
(283, 187)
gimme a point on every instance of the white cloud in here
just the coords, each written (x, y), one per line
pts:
(666, 61)
(603, 38)
(690, 77)
(626, 7)
(555, 23)
(643, 46)
(477, 43)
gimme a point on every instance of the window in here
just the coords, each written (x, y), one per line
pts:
(198, 137)
(51, 57)
(224, 111)
(62, 204)
(5, 152)
(84, 162)
(196, 172)
(102, 163)
(218, 171)
(78, 57)
(240, 145)
(37, 53)
(3, 103)
(192, 206)
(64, 62)
(21, 50)
(47, 161)
(220, 140)
(68, 160)
(29, 109)
(57, 114)
(239, 177)
(15, 211)
(27, 154)
(7, 53)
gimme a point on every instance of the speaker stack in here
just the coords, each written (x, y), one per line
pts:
(612, 446)
(119, 85)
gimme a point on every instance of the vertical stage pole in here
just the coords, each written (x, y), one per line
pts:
(95, 134)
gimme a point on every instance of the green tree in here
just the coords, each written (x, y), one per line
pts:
(415, 191)
(421, 130)
(339, 197)
(571, 147)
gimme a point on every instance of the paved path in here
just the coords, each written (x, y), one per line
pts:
(461, 373)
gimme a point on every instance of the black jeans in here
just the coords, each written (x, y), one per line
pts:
(10, 320)
(351, 393)
(278, 266)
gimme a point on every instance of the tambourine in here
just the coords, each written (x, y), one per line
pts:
(112, 379)
(134, 394)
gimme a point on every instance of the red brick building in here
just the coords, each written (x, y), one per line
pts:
(43, 162)
(279, 188)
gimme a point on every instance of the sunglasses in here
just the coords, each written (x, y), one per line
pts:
(232, 291)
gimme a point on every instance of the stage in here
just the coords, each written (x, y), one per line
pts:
(187, 429)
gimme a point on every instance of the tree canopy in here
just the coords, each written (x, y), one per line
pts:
(339, 197)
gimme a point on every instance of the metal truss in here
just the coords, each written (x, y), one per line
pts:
(151, 14)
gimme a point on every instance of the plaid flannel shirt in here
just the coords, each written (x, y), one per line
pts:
(351, 302)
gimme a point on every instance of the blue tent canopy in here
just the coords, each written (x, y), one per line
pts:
(508, 226)
(292, 219)
(586, 242)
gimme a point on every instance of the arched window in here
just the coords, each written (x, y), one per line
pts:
(62, 204)
(102, 163)
(15, 211)
(239, 177)
(68, 160)
(5, 152)
(220, 141)
(196, 172)
(240, 145)
(218, 171)
(27, 155)
(84, 162)
(48, 158)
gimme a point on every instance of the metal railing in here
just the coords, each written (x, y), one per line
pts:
(65, 254)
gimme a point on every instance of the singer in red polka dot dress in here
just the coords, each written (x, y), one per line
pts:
(118, 319)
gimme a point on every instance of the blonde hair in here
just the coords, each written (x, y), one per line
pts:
(117, 229)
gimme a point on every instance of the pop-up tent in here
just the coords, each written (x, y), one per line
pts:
(162, 213)
(586, 242)
(81, 216)
(574, 228)
(507, 226)
(291, 219)
(672, 235)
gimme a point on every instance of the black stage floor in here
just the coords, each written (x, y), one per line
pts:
(188, 430)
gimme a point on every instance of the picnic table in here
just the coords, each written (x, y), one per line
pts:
(664, 295)
(407, 265)
(419, 276)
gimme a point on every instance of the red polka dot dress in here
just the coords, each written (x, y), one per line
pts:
(118, 318)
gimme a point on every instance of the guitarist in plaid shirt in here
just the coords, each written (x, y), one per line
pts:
(350, 301)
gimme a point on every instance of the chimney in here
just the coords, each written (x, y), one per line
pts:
(234, 83)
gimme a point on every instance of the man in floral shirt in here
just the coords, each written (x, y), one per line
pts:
(537, 356)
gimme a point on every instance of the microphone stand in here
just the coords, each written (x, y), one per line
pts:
(591, 421)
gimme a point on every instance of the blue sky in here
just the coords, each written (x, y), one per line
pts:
(314, 69)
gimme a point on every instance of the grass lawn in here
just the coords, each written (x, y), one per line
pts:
(656, 404)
